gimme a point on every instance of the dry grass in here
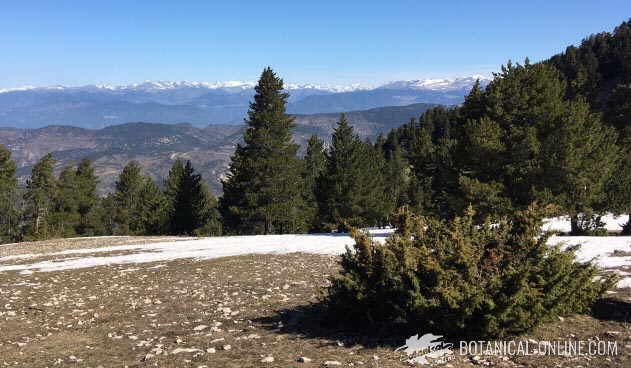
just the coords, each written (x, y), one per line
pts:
(173, 314)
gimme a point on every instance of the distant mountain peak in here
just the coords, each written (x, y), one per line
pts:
(440, 84)
(158, 86)
(202, 103)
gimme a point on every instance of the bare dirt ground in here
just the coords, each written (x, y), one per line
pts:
(56, 245)
(246, 311)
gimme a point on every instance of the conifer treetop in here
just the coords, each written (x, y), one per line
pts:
(267, 114)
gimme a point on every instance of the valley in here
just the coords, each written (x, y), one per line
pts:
(157, 146)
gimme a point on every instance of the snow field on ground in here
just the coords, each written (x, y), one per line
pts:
(599, 248)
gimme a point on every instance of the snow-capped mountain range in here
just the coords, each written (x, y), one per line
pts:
(438, 84)
(444, 84)
(157, 86)
(203, 103)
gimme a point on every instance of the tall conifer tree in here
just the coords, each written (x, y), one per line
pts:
(396, 173)
(340, 182)
(533, 144)
(65, 215)
(375, 200)
(153, 209)
(618, 114)
(263, 188)
(137, 203)
(41, 189)
(314, 165)
(87, 198)
(194, 208)
(172, 182)
(352, 188)
(9, 216)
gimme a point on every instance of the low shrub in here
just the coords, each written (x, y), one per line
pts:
(461, 278)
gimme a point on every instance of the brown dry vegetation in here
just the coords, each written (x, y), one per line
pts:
(227, 312)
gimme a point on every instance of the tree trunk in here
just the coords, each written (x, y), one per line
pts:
(37, 219)
(626, 228)
(575, 228)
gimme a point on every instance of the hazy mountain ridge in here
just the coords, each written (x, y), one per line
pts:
(201, 104)
(367, 123)
(156, 146)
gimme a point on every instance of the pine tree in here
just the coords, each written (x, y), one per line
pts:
(341, 182)
(263, 188)
(137, 203)
(171, 184)
(9, 216)
(618, 114)
(375, 201)
(431, 155)
(482, 155)
(87, 198)
(127, 197)
(41, 189)
(421, 153)
(194, 208)
(152, 211)
(474, 104)
(352, 188)
(396, 173)
(533, 144)
(525, 101)
(314, 165)
(619, 188)
(106, 215)
(171, 190)
(64, 215)
(579, 156)
(211, 224)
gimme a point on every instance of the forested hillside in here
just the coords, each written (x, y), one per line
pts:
(598, 66)
(157, 146)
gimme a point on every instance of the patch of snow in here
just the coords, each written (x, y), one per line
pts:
(129, 270)
(113, 248)
(599, 249)
(612, 223)
(26, 284)
(624, 283)
(205, 248)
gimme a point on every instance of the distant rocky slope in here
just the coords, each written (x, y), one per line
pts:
(156, 146)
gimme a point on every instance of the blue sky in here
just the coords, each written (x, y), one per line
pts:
(336, 42)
